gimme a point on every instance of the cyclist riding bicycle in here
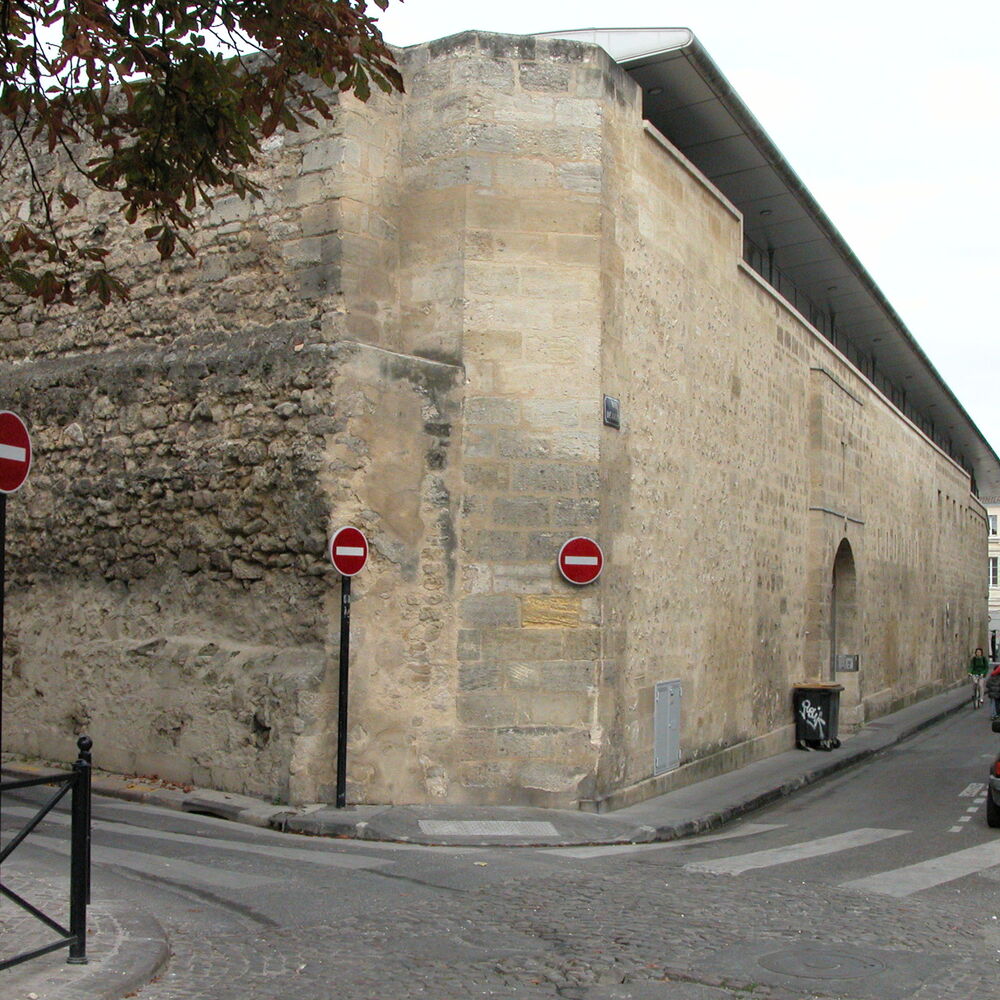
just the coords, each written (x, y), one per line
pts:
(979, 667)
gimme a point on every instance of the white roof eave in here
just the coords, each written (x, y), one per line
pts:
(638, 49)
(625, 45)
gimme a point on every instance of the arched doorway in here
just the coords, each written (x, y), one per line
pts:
(844, 638)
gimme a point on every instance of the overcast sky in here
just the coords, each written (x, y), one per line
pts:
(888, 111)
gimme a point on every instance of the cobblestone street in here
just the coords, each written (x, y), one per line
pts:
(585, 936)
(878, 883)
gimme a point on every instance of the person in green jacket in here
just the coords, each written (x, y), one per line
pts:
(979, 667)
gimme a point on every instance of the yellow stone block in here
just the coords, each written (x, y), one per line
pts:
(550, 612)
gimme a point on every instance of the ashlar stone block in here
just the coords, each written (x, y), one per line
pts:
(479, 676)
(577, 512)
(525, 644)
(550, 611)
(490, 610)
(547, 477)
(545, 76)
(521, 512)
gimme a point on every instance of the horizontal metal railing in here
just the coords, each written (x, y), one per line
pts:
(78, 782)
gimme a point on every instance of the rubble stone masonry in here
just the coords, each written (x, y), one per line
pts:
(411, 331)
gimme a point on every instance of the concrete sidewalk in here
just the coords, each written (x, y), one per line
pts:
(127, 949)
(693, 809)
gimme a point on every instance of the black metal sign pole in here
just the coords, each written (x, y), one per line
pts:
(345, 649)
(3, 587)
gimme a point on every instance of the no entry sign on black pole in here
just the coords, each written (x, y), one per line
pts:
(15, 463)
(348, 553)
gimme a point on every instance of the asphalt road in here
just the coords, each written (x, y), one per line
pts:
(881, 883)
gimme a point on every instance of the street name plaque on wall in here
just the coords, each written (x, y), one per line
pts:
(612, 412)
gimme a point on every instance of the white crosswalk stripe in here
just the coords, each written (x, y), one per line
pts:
(794, 852)
(328, 858)
(604, 850)
(172, 869)
(927, 874)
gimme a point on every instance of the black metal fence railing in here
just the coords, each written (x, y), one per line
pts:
(78, 781)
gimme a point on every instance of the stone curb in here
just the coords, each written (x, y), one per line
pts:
(144, 955)
(403, 824)
(166, 795)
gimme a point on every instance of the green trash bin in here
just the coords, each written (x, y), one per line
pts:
(817, 715)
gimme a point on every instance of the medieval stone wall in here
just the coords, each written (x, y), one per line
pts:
(501, 266)
(751, 449)
(169, 591)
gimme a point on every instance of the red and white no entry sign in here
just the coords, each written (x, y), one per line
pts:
(348, 551)
(581, 560)
(15, 452)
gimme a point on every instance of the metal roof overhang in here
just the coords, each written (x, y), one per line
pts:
(689, 101)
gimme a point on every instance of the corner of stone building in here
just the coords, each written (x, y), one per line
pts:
(498, 251)
(391, 472)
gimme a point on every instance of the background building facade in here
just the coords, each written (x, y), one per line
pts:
(993, 574)
(414, 331)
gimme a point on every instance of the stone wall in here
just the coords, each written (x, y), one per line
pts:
(412, 331)
(751, 449)
(170, 591)
(511, 144)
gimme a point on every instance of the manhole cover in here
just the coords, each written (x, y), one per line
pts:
(865, 973)
(821, 963)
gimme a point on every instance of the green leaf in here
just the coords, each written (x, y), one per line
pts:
(129, 97)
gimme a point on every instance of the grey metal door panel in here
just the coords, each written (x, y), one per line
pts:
(666, 726)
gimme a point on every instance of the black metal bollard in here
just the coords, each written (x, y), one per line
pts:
(79, 865)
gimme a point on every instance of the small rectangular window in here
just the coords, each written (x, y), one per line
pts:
(994, 574)
(993, 524)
